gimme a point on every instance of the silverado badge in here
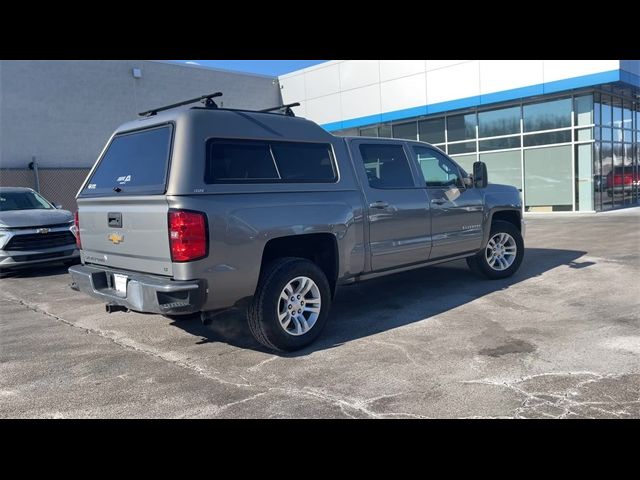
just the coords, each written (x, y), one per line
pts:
(115, 238)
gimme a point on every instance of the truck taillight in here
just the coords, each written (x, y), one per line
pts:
(76, 229)
(188, 235)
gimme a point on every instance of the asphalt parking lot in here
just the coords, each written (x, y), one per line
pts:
(560, 339)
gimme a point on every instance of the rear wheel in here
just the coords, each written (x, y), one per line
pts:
(291, 304)
(502, 255)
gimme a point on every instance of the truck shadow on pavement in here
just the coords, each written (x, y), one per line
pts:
(386, 303)
(47, 270)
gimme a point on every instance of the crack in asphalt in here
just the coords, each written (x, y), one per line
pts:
(561, 401)
(133, 345)
(349, 406)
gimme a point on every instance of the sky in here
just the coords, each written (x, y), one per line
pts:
(265, 67)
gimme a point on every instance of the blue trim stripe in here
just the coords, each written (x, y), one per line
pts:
(477, 100)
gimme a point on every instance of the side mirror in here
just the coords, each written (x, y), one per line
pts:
(57, 205)
(480, 178)
(467, 182)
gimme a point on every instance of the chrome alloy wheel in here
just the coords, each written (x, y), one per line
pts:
(501, 251)
(299, 306)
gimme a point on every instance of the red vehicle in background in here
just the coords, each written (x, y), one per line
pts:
(621, 178)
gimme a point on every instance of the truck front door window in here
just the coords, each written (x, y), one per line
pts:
(437, 169)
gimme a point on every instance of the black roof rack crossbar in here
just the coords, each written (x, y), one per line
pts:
(286, 108)
(208, 102)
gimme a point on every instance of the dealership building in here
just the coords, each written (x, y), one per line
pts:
(566, 133)
(61, 113)
(563, 132)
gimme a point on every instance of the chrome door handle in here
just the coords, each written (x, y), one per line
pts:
(379, 204)
(438, 201)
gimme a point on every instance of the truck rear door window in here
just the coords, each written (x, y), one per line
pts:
(386, 166)
(255, 161)
(134, 163)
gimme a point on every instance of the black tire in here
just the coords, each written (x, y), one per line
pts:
(262, 312)
(479, 264)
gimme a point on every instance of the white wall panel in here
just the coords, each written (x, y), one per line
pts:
(360, 88)
(561, 69)
(436, 64)
(358, 73)
(293, 89)
(404, 93)
(361, 102)
(458, 81)
(324, 109)
(498, 75)
(300, 111)
(392, 69)
(322, 81)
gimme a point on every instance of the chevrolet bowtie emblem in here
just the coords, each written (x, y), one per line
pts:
(115, 238)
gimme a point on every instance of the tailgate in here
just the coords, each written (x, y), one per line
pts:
(122, 208)
(126, 232)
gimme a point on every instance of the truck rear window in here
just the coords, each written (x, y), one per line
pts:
(256, 161)
(134, 163)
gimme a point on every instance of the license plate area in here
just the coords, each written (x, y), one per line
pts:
(119, 283)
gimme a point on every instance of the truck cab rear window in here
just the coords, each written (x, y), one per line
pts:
(255, 161)
(134, 163)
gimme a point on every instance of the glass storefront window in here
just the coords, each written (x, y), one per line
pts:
(499, 143)
(607, 134)
(606, 111)
(465, 147)
(617, 112)
(547, 115)
(431, 130)
(408, 131)
(596, 108)
(584, 134)
(548, 179)
(461, 127)
(503, 167)
(615, 182)
(499, 122)
(607, 166)
(563, 136)
(584, 177)
(369, 132)
(598, 179)
(617, 134)
(349, 132)
(465, 161)
(627, 116)
(584, 110)
(384, 131)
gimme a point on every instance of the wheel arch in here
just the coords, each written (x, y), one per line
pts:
(319, 248)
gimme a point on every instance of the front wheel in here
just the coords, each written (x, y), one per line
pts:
(502, 255)
(291, 304)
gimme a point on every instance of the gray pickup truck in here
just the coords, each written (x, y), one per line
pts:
(192, 211)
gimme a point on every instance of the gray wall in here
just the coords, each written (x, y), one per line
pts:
(63, 112)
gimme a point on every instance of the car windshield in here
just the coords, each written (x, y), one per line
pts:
(22, 201)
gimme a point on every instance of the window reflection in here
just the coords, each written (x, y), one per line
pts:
(548, 179)
(547, 115)
(461, 127)
(432, 130)
(406, 130)
(499, 122)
